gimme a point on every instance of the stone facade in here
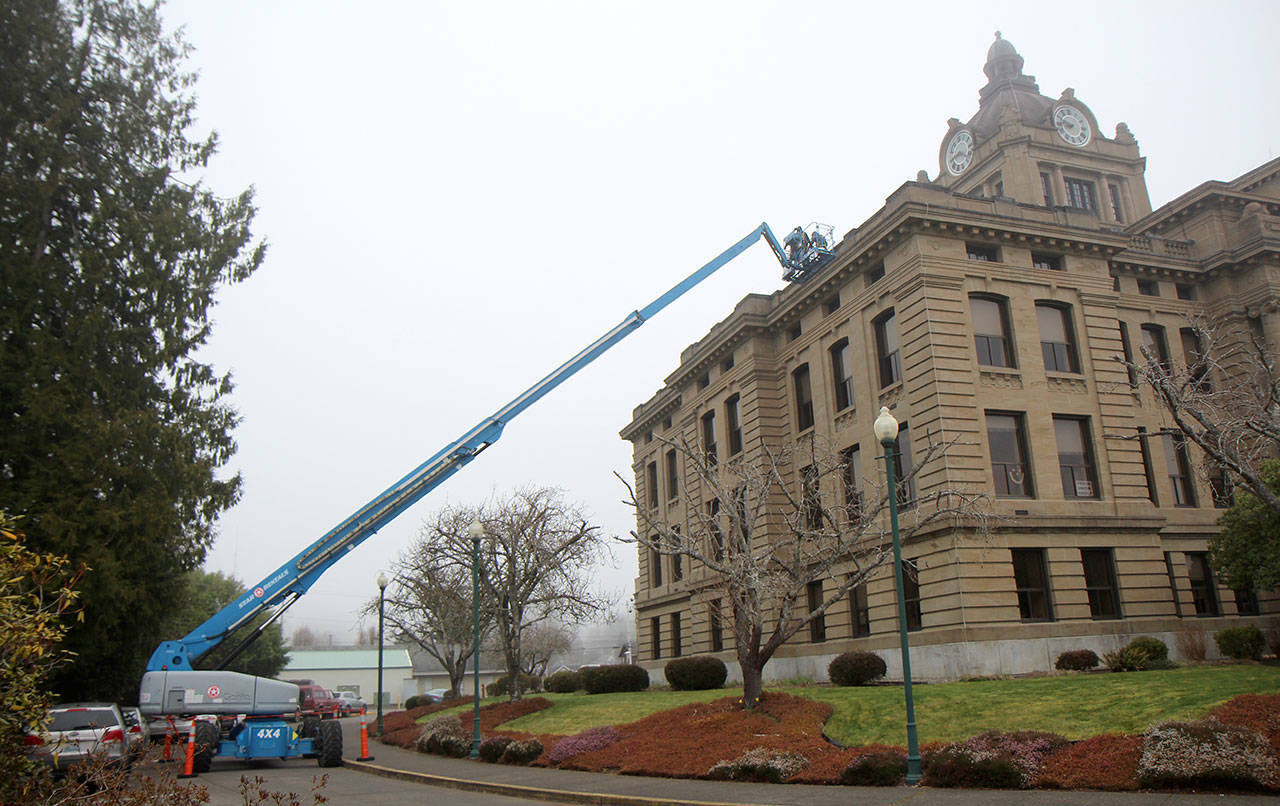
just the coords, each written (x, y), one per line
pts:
(1014, 278)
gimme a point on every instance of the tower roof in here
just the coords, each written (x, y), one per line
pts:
(1007, 86)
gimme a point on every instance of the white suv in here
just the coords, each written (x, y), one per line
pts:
(79, 730)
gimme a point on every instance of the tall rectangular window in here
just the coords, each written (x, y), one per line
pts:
(742, 515)
(1147, 471)
(1047, 188)
(1075, 457)
(1100, 582)
(677, 560)
(651, 483)
(673, 475)
(818, 626)
(859, 612)
(804, 398)
(851, 461)
(1010, 464)
(709, 437)
(811, 498)
(655, 636)
(675, 635)
(1081, 194)
(716, 626)
(1220, 488)
(733, 425)
(1117, 209)
(1173, 583)
(991, 335)
(1193, 353)
(1126, 349)
(902, 468)
(1031, 578)
(1179, 466)
(840, 376)
(1057, 338)
(713, 528)
(655, 568)
(1153, 341)
(911, 595)
(1204, 592)
(886, 327)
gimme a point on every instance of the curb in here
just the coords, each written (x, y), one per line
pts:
(527, 792)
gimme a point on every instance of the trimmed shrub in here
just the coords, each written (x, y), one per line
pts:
(445, 736)
(760, 764)
(698, 673)
(413, 702)
(1192, 641)
(522, 753)
(1154, 647)
(855, 668)
(1205, 753)
(587, 741)
(491, 749)
(502, 686)
(563, 682)
(1127, 659)
(1077, 660)
(955, 768)
(876, 769)
(613, 678)
(1242, 643)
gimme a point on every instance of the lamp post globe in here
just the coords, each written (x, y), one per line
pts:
(382, 595)
(475, 531)
(885, 426)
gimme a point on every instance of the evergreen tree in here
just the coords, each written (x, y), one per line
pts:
(112, 433)
(205, 593)
(1247, 551)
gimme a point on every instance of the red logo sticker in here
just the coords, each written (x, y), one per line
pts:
(258, 592)
(214, 691)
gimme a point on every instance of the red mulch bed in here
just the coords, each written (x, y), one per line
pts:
(401, 728)
(686, 741)
(1260, 712)
(1107, 762)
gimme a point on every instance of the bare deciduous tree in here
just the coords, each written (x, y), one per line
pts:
(1225, 397)
(539, 643)
(429, 599)
(303, 637)
(535, 562)
(783, 535)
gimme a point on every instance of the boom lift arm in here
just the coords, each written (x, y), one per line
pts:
(283, 586)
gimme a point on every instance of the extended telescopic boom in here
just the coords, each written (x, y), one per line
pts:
(283, 586)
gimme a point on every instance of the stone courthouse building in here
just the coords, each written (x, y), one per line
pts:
(988, 303)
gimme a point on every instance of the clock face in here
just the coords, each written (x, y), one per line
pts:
(959, 152)
(1072, 125)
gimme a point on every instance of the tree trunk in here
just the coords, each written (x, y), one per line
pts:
(752, 684)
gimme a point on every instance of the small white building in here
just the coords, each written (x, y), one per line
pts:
(354, 669)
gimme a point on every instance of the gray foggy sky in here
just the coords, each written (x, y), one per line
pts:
(459, 196)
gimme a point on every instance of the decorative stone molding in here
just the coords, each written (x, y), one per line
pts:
(1071, 386)
(846, 418)
(891, 396)
(1001, 380)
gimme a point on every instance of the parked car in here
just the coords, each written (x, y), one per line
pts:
(77, 731)
(351, 702)
(137, 730)
(439, 694)
(319, 701)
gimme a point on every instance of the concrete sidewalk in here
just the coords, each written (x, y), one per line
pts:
(566, 786)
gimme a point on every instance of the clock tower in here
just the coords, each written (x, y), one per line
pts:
(1026, 147)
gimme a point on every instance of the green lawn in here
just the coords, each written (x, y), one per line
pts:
(1075, 706)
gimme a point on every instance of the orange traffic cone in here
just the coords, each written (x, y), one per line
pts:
(168, 740)
(187, 769)
(364, 742)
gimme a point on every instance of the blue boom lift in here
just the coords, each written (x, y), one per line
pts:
(172, 686)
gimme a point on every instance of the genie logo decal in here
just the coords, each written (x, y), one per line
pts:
(214, 691)
(257, 592)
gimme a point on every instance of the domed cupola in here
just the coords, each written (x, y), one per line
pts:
(1004, 71)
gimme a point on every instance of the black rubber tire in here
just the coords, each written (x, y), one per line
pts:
(206, 744)
(330, 743)
(308, 729)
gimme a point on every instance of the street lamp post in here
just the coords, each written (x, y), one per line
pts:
(886, 430)
(476, 531)
(382, 595)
